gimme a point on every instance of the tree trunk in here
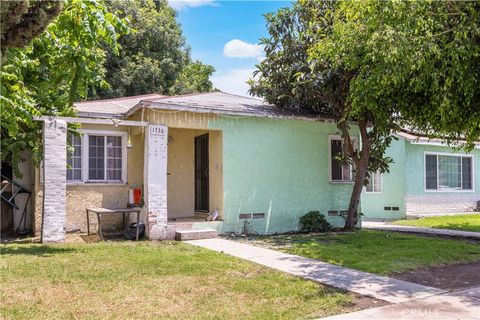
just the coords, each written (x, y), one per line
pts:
(361, 166)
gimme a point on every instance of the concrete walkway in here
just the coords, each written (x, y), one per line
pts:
(464, 305)
(383, 288)
(387, 226)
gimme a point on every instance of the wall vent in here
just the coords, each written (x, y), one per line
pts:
(258, 215)
(246, 216)
(387, 208)
(395, 208)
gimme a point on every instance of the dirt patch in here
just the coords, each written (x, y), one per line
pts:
(364, 302)
(457, 276)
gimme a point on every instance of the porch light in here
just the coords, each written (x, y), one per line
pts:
(129, 139)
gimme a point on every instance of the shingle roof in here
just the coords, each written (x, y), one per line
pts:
(218, 103)
(419, 138)
(115, 107)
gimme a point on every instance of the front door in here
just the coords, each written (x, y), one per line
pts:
(201, 173)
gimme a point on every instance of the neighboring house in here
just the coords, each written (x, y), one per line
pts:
(426, 178)
(191, 154)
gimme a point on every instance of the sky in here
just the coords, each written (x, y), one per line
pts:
(226, 34)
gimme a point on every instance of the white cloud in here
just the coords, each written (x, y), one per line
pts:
(184, 4)
(240, 49)
(233, 81)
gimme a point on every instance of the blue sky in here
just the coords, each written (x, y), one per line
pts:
(225, 34)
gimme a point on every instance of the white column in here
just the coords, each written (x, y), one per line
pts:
(54, 180)
(155, 182)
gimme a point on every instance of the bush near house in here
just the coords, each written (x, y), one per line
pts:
(314, 221)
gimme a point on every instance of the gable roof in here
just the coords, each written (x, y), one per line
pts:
(421, 139)
(218, 103)
(110, 108)
(210, 102)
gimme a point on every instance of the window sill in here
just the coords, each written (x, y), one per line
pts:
(96, 184)
(449, 191)
(342, 182)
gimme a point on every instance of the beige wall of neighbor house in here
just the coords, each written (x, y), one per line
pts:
(181, 171)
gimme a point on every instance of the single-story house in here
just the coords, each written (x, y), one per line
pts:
(261, 168)
(427, 178)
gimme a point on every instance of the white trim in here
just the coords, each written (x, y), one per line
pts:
(339, 137)
(114, 121)
(85, 157)
(461, 155)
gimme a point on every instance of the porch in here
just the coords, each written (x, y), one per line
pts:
(179, 171)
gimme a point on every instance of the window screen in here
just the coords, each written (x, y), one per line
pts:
(74, 159)
(375, 182)
(448, 172)
(96, 158)
(336, 150)
(431, 171)
(114, 158)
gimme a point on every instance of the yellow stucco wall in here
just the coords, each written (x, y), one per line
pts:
(181, 171)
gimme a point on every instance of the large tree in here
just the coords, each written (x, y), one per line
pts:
(379, 65)
(54, 70)
(23, 20)
(153, 56)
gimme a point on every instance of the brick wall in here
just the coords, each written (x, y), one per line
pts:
(439, 203)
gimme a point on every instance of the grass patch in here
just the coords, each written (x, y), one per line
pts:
(148, 280)
(465, 222)
(378, 252)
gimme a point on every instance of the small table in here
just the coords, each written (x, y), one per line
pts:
(99, 212)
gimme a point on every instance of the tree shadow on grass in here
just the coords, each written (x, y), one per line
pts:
(38, 250)
(457, 226)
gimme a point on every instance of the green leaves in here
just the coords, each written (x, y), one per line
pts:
(56, 69)
(154, 56)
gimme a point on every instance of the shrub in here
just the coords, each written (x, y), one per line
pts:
(314, 221)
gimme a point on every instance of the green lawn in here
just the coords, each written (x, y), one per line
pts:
(466, 222)
(379, 252)
(126, 280)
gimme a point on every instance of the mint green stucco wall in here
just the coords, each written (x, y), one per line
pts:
(393, 188)
(280, 168)
(406, 183)
(415, 170)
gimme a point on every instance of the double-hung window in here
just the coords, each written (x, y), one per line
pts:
(339, 172)
(98, 157)
(446, 172)
(374, 182)
(74, 159)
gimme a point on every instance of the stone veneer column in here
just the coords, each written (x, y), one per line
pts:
(155, 182)
(54, 180)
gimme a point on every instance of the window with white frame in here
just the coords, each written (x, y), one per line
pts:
(339, 172)
(448, 172)
(374, 182)
(98, 157)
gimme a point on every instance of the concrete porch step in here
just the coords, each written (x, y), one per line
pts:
(184, 235)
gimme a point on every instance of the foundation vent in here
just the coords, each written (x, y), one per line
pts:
(247, 216)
